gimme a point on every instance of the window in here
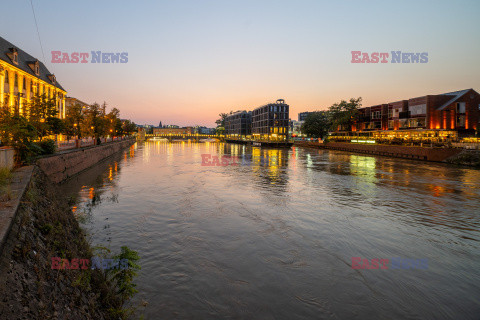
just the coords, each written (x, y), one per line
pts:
(417, 122)
(13, 55)
(460, 107)
(418, 109)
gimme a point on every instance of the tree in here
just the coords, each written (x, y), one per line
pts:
(55, 125)
(17, 132)
(129, 127)
(113, 122)
(74, 120)
(344, 114)
(37, 111)
(317, 124)
(219, 131)
(221, 122)
(95, 124)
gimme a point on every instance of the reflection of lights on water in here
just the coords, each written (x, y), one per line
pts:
(91, 193)
(309, 159)
(364, 166)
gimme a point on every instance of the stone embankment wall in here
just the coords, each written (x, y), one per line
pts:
(6, 157)
(61, 166)
(417, 153)
(36, 225)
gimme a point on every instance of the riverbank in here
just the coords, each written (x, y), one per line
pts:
(36, 224)
(63, 165)
(404, 152)
(44, 227)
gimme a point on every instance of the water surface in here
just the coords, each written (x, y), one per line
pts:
(273, 237)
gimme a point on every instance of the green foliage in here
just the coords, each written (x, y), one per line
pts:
(48, 146)
(37, 111)
(129, 127)
(343, 114)
(46, 228)
(123, 278)
(221, 121)
(5, 176)
(220, 130)
(74, 120)
(317, 124)
(55, 125)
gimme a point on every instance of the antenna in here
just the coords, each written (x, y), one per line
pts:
(38, 33)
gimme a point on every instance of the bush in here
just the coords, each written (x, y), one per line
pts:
(48, 146)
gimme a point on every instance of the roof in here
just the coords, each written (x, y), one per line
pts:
(23, 60)
(77, 100)
(455, 95)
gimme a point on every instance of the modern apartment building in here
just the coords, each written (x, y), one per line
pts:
(238, 124)
(271, 121)
(458, 110)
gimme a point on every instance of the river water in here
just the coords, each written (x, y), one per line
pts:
(274, 237)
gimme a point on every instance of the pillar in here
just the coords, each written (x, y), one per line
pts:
(63, 106)
(11, 80)
(20, 98)
(2, 83)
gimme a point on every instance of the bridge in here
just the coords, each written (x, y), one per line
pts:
(184, 136)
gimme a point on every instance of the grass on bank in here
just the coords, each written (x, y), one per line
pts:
(5, 177)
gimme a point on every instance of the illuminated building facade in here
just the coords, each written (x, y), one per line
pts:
(238, 124)
(271, 121)
(457, 111)
(173, 131)
(23, 77)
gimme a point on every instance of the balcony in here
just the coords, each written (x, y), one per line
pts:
(404, 115)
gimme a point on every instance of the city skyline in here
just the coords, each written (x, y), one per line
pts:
(188, 61)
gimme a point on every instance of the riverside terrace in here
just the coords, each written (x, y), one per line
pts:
(431, 118)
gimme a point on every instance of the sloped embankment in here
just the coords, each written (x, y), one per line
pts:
(466, 158)
(29, 288)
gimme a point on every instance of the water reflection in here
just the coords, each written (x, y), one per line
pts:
(273, 237)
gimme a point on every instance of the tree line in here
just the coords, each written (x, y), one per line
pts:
(340, 115)
(30, 131)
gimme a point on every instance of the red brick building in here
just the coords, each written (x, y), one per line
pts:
(457, 110)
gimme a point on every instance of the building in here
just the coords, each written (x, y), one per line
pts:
(303, 115)
(271, 121)
(22, 77)
(203, 130)
(458, 110)
(296, 128)
(71, 101)
(173, 131)
(238, 124)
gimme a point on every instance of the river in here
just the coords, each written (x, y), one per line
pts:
(274, 237)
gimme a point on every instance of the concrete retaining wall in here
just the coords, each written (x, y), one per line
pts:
(7, 157)
(62, 166)
(418, 153)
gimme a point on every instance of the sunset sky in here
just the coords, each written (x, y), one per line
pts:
(188, 61)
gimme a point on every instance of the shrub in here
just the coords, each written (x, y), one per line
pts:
(48, 146)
